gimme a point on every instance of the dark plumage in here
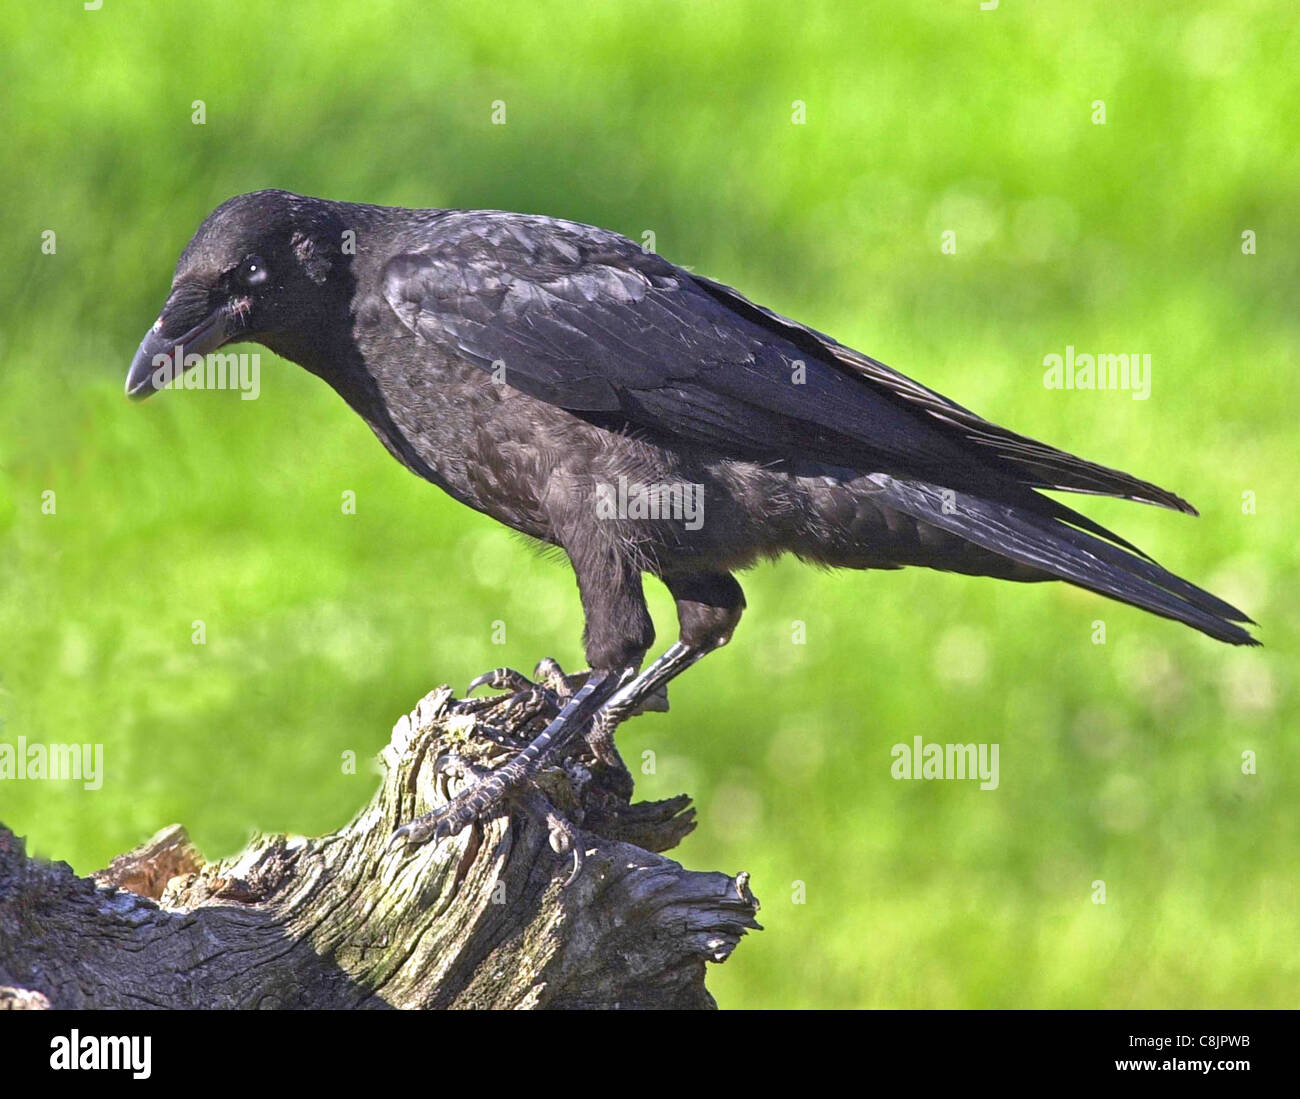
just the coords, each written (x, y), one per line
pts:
(525, 364)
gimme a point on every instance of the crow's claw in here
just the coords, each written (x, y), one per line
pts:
(501, 679)
(562, 841)
(561, 835)
(514, 779)
(548, 673)
(443, 823)
(464, 810)
(415, 832)
(450, 820)
(546, 696)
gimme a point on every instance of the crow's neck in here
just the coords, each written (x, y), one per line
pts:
(337, 361)
(309, 349)
(341, 365)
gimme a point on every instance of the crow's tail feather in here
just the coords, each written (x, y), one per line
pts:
(1045, 542)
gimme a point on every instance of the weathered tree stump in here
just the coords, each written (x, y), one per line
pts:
(484, 919)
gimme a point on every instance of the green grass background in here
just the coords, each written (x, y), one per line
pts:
(1119, 762)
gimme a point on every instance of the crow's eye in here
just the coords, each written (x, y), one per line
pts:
(252, 272)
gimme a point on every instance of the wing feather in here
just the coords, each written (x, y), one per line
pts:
(585, 320)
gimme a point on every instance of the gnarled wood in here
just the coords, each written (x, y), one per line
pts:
(341, 921)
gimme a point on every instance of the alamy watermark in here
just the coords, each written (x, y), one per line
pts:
(1128, 372)
(82, 763)
(946, 761)
(682, 501)
(216, 370)
(131, 1053)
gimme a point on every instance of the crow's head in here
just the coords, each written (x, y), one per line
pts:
(261, 266)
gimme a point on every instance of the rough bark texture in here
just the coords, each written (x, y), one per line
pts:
(484, 919)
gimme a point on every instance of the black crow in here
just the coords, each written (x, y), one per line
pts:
(642, 418)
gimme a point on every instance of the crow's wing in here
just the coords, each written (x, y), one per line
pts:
(1034, 463)
(585, 320)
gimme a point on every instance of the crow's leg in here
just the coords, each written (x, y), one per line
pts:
(618, 632)
(489, 792)
(562, 835)
(709, 606)
(628, 698)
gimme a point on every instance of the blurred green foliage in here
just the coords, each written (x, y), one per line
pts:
(1120, 762)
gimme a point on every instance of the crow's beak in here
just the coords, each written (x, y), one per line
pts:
(161, 360)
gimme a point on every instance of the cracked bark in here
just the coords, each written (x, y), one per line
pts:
(340, 921)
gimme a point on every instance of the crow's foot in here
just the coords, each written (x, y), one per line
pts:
(563, 836)
(636, 695)
(445, 822)
(600, 741)
(545, 694)
(457, 815)
(430, 826)
(600, 736)
(513, 780)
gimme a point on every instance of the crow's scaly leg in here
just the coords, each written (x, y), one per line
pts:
(709, 606)
(631, 697)
(486, 795)
(563, 837)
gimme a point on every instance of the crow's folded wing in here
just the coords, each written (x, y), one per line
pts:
(585, 320)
